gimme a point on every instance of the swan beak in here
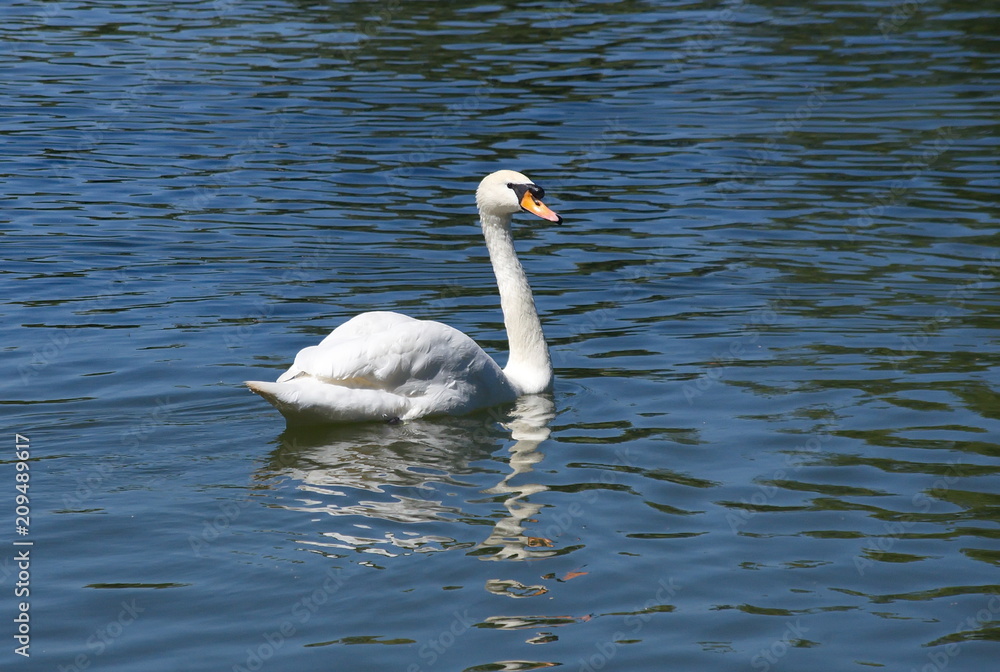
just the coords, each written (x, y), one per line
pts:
(536, 207)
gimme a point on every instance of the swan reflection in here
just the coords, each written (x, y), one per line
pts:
(529, 426)
(387, 475)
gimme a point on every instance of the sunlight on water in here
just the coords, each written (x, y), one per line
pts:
(772, 311)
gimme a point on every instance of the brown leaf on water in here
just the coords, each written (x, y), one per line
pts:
(572, 575)
(534, 542)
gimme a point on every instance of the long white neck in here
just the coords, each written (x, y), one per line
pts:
(529, 368)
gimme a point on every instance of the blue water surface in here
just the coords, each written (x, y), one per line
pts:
(774, 438)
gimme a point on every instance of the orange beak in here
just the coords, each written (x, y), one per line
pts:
(536, 207)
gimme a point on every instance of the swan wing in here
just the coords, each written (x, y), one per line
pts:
(385, 364)
(389, 351)
(341, 355)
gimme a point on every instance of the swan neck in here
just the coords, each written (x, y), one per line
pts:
(529, 368)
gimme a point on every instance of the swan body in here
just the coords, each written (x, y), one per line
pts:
(384, 365)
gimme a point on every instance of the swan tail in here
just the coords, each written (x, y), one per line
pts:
(307, 401)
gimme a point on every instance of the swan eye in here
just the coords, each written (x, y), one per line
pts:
(536, 192)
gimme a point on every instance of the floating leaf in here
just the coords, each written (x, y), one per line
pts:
(573, 575)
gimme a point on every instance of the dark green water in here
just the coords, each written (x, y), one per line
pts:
(773, 310)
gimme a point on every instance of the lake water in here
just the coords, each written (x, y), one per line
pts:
(772, 307)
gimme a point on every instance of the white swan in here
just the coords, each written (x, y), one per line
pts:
(383, 366)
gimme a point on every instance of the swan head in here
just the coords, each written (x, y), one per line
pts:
(506, 192)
